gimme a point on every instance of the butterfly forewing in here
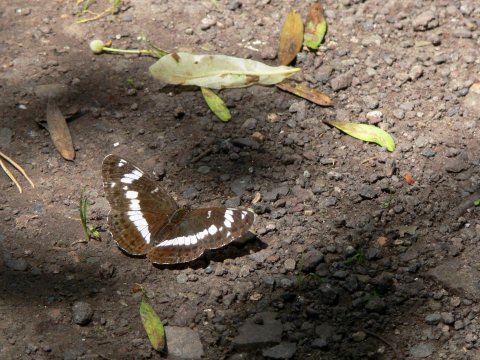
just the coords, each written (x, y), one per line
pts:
(140, 208)
(199, 230)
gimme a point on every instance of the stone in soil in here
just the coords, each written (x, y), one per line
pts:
(16, 264)
(6, 136)
(456, 165)
(425, 21)
(183, 343)
(421, 350)
(185, 315)
(433, 319)
(241, 185)
(447, 318)
(310, 260)
(284, 350)
(82, 313)
(341, 82)
(259, 331)
(457, 274)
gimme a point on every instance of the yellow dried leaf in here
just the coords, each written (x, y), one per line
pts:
(291, 38)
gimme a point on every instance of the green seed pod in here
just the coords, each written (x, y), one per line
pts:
(97, 46)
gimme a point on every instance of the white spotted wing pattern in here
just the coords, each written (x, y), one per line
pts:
(145, 220)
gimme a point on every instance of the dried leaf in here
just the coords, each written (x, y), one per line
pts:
(153, 326)
(216, 104)
(366, 132)
(217, 71)
(382, 240)
(305, 92)
(315, 27)
(59, 132)
(291, 38)
(257, 198)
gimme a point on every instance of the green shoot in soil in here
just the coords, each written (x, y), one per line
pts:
(90, 232)
(111, 10)
(476, 202)
(387, 203)
(358, 258)
(116, 6)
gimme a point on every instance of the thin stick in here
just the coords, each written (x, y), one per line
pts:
(96, 17)
(18, 167)
(465, 205)
(381, 338)
(202, 155)
(10, 175)
(369, 159)
(78, 242)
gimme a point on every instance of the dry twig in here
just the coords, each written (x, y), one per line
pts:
(16, 166)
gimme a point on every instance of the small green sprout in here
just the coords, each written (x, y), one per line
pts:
(90, 232)
(476, 202)
(387, 203)
(116, 6)
(111, 10)
(358, 258)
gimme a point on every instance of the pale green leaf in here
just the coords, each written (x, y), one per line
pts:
(366, 132)
(217, 71)
(216, 104)
(153, 326)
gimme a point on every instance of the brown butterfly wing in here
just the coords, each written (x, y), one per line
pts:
(199, 230)
(140, 208)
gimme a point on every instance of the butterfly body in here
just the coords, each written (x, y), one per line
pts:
(145, 220)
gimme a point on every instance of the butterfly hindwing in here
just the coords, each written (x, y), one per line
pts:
(140, 207)
(199, 230)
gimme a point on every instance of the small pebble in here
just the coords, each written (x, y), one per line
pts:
(289, 264)
(421, 350)
(359, 336)
(82, 313)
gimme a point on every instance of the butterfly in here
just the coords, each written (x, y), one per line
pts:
(146, 220)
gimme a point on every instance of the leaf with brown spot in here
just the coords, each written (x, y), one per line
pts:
(315, 27)
(313, 95)
(291, 38)
(176, 57)
(59, 132)
(217, 71)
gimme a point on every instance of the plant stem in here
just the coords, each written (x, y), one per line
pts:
(126, 51)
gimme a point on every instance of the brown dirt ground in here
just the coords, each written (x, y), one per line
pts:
(44, 269)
